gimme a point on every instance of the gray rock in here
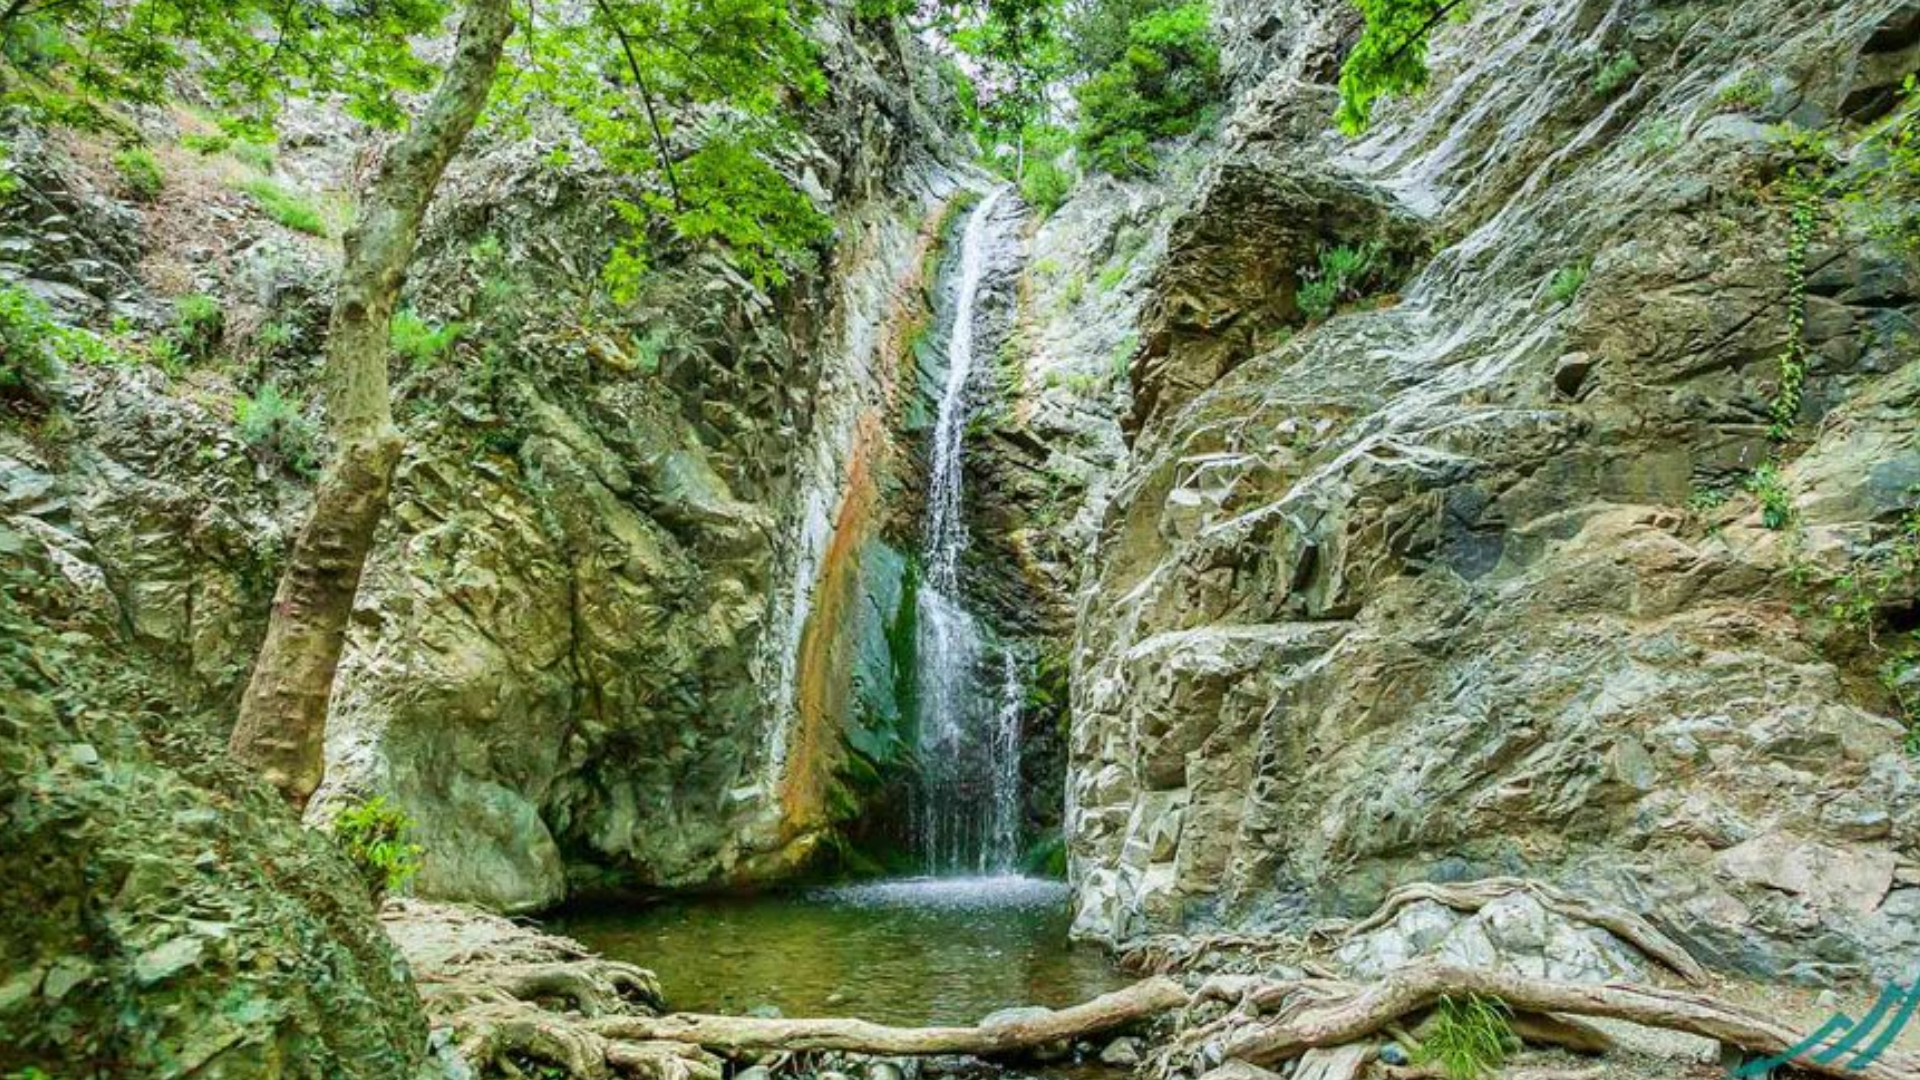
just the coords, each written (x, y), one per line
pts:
(164, 961)
(1124, 1050)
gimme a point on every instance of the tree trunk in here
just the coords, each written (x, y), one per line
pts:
(739, 1034)
(283, 714)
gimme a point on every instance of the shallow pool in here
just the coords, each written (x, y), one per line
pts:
(921, 951)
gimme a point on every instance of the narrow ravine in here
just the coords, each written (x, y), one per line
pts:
(967, 807)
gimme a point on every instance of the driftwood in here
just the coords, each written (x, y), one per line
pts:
(1474, 895)
(1339, 1063)
(1323, 1024)
(738, 1034)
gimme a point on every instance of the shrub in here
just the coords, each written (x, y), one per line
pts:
(1343, 273)
(373, 836)
(206, 145)
(28, 364)
(1162, 86)
(198, 325)
(1046, 185)
(1467, 1037)
(1565, 283)
(273, 429)
(1615, 72)
(1748, 93)
(140, 173)
(420, 342)
(290, 208)
(255, 155)
(1770, 488)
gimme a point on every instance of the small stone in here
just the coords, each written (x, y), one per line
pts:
(882, 1070)
(165, 961)
(757, 1072)
(66, 973)
(1570, 374)
(83, 754)
(1393, 1053)
(765, 1012)
(1121, 1051)
(829, 1074)
(836, 998)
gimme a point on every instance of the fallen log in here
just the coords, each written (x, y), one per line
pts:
(738, 1034)
(1418, 986)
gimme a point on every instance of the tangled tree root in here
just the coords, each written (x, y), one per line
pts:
(1474, 895)
(514, 996)
(1309, 1016)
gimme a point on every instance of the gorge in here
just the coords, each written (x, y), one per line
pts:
(1177, 582)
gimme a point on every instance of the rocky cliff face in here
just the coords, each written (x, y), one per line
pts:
(1462, 581)
(600, 641)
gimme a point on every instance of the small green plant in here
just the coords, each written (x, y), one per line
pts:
(1076, 288)
(166, 354)
(1657, 136)
(1615, 71)
(206, 145)
(1113, 275)
(1705, 500)
(1467, 1038)
(1341, 275)
(286, 206)
(273, 428)
(1122, 356)
(421, 343)
(652, 347)
(374, 837)
(1748, 93)
(1770, 488)
(1566, 283)
(140, 173)
(1045, 185)
(258, 156)
(198, 324)
(33, 346)
(1804, 219)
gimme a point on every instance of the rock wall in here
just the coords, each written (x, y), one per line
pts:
(1461, 581)
(596, 644)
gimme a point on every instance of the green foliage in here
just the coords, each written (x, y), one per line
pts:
(1046, 858)
(1122, 356)
(1615, 71)
(1748, 93)
(1770, 488)
(1112, 276)
(1162, 86)
(140, 173)
(33, 347)
(286, 206)
(1046, 185)
(1342, 275)
(274, 429)
(1785, 409)
(198, 324)
(249, 56)
(623, 72)
(374, 837)
(1566, 283)
(420, 343)
(1467, 1038)
(1015, 56)
(1391, 56)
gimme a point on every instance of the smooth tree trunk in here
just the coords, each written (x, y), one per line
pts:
(283, 714)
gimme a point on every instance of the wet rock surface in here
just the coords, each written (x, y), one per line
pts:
(1416, 593)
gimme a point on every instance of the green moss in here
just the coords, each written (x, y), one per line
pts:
(1615, 72)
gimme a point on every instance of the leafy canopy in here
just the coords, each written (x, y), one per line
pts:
(1161, 86)
(66, 59)
(1390, 57)
(629, 73)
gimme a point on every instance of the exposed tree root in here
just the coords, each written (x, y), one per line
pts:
(738, 1034)
(1314, 1021)
(1474, 895)
(513, 995)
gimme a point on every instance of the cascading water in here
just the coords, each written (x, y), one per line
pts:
(967, 806)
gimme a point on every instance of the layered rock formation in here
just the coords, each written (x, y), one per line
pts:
(1461, 581)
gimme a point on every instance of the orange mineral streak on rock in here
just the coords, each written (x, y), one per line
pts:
(824, 684)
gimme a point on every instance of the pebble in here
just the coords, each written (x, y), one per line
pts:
(882, 1070)
(757, 1072)
(1393, 1054)
(1121, 1051)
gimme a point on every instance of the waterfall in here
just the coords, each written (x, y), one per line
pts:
(967, 807)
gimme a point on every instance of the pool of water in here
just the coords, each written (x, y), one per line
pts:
(921, 951)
